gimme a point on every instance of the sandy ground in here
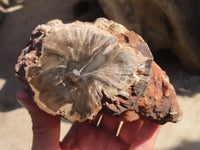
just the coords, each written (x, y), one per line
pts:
(16, 132)
(15, 124)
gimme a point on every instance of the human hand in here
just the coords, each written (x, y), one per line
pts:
(137, 135)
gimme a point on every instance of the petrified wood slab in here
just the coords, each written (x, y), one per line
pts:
(78, 70)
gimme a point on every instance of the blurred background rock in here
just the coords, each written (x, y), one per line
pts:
(171, 28)
(164, 24)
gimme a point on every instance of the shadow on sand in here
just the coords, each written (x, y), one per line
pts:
(187, 145)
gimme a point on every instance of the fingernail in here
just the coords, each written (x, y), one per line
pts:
(119, 128)
(19, 101)
(99, 120)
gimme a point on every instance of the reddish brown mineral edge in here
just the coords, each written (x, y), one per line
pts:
(80, 69)
(158, 104)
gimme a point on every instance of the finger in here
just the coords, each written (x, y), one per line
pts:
(25, 99)
(110, 123)
(46, 128)
(146, 137)
(95, 121)
(87, 136)
(129, 131)
(82, 135)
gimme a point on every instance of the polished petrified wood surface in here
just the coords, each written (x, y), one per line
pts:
(78, 70)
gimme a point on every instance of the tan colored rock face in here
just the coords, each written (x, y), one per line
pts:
(77, 70)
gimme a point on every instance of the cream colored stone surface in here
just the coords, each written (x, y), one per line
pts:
(2, 83)
(15, 130)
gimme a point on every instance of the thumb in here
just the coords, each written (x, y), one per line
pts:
(38, 116)
(24, 97)
(46, 127)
